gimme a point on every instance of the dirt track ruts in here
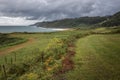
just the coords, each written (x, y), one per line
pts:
(16, 47)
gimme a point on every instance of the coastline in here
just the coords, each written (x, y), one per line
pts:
(60, 29)
(11, 29)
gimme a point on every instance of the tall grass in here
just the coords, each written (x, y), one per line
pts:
(42, 59)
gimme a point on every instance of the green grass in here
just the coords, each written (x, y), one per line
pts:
(30, 55)
(31, 50)
(97, 58)
(6, 40)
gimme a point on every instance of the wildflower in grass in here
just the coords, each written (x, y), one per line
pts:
(46, 63)
(55, 42)
(32, 76)
(29, 76)
(56, 65)
(49, 68)
(50, 59)
(62, 57)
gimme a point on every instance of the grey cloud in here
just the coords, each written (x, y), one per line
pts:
(57, 9)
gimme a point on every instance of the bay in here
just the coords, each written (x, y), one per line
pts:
(10, 29)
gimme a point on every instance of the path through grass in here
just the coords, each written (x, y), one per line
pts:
(97, 58)
(16, 47)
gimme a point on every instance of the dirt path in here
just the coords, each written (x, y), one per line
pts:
(67, 63)
(16, 47)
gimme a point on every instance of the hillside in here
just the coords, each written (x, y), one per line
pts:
(106, 21)
(76, 22)
(112, 21)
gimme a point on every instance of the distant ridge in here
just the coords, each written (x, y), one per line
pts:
(105, 21)
(112, 21)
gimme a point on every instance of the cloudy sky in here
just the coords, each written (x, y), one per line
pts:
(25, 12)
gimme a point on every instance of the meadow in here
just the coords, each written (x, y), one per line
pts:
(6, 40)
(97, 58)
(76, 54)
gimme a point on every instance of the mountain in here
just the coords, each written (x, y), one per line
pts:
(112, 21)
(75, 22)
(106, 21)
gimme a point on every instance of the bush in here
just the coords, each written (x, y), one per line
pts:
(18, 69)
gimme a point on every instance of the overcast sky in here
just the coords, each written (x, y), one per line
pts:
(25, 12)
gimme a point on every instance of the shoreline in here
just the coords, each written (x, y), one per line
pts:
(60, 29)
(30, 29)
(56, 29)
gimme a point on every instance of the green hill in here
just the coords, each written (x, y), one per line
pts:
(112, 21)
(75, 22)
(107, 21)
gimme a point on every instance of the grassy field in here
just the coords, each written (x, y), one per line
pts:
(97, 58)
(6, 40)
(19, 63)
(46, 56)
(38, 44)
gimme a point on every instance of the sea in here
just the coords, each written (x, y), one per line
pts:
(11, 29)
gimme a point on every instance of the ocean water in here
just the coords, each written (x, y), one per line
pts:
(10, 29)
